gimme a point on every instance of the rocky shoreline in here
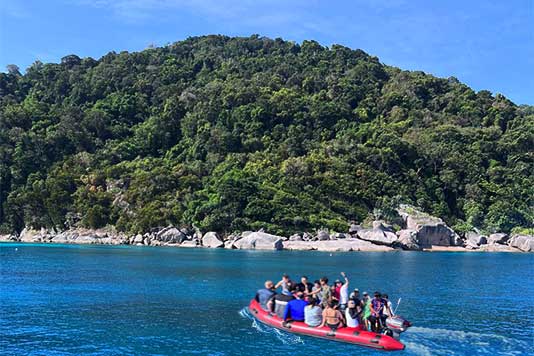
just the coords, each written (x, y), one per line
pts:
(419, 232)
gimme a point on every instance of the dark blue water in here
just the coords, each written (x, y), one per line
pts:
(103, 300)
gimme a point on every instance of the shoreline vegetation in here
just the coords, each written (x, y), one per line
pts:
(236, 134)
(419, 232)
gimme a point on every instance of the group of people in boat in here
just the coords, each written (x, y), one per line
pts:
(319, 304)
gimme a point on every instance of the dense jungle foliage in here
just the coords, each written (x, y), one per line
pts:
(241, 133)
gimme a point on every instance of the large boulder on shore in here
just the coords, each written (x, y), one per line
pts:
(498, 238)
(340, 235)
(259, 241)
(171, 235)
(474, 240)
(350, 244)
(8, 238)
(295, 237)
(498, 248)
(431, 231)
(211, 239)
(408, 240)
(379, 235)
(342, 245)
(523, 242)
(296, 245)
(322, 235)
(354, 228)
(30, 235)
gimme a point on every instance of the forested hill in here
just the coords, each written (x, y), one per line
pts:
(241, 133)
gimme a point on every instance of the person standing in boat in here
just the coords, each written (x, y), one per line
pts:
(366, 313)
(265, 294)
(344, 293)
(324, 293)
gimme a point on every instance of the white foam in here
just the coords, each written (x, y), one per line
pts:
(285, 338)
(437, 342)
(419, 349)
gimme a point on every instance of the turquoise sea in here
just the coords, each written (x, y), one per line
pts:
(118, 300)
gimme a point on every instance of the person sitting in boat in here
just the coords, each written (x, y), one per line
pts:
(304, 286)
(344, 293)
(294, 309)
(279, 301)
(313, 313)
(388, 307)
(286, 284)
(265, 294)
(377, 311)
(316, 291)
(332, 317)
(352, 314)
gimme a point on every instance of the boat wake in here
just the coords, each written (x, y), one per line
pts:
(285, 338)
(427, 341)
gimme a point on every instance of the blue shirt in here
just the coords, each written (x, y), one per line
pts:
(295, 309)
(263, 296)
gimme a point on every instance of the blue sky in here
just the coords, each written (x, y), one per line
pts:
(486, 44)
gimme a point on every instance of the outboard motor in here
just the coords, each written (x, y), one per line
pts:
(395, 325)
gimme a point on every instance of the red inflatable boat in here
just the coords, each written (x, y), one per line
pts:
(354, 336)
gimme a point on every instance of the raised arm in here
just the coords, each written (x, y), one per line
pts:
(346, 279)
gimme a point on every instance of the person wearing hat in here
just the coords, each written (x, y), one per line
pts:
(355, 295)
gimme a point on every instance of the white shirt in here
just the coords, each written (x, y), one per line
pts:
(351, 323)
(344, 294)
(389, 307)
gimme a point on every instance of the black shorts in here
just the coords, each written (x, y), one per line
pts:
(333, 326)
